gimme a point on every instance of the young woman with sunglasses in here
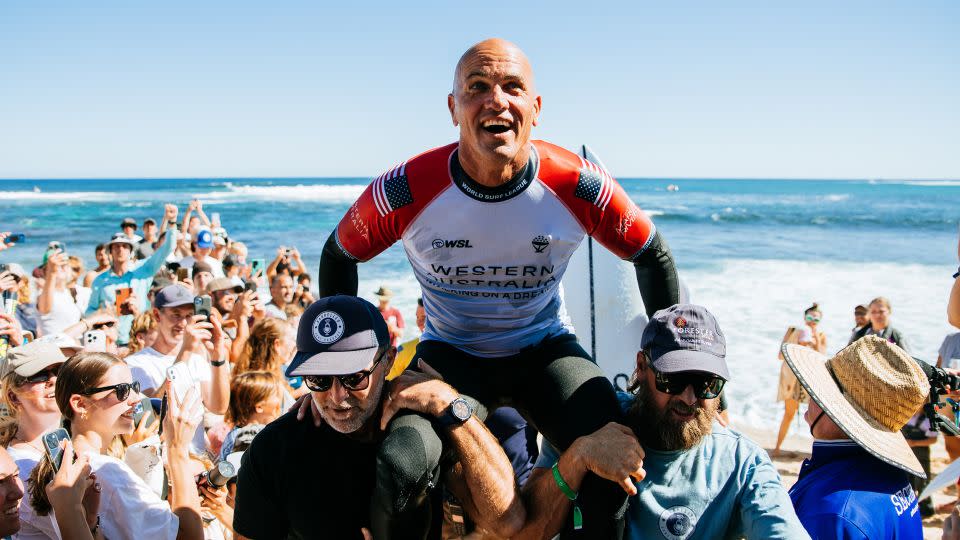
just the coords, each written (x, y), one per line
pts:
(31, 411)
(789, 391)
(97, 397)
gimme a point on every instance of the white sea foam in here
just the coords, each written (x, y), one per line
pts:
(756, 300)
(837, 197)
(77, 196)
(300, 192)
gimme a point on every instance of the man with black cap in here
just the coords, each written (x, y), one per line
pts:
(125, 273)
(688, 476)
(308, 480)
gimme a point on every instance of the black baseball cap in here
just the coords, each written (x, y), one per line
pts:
(338, 335)
(685, 337)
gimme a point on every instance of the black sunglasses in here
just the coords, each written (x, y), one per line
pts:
(42, 376)
(352, 381)
(704, 386)
(102, 325)
(122, 389)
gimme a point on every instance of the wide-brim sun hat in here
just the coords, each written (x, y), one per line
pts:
(383, 293)
(870, 390)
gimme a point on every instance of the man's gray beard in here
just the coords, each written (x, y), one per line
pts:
(658, 430)
(357, 423)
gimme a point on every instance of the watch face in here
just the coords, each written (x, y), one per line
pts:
(461, 409)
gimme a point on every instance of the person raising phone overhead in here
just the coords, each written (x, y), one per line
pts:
(125, 273)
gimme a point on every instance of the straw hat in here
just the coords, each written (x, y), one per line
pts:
(870, 389)
(383, 293)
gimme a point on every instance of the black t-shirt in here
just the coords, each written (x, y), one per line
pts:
(300, 481)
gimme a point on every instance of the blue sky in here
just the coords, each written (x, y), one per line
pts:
(810, 89)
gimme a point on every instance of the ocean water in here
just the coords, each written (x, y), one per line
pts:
(755, 252)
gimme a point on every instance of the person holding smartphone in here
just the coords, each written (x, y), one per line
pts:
(97, 396)
(56, 305)
(196, 350)
(27, 392)
(125, 273)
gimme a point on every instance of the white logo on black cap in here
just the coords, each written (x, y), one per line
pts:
(327, 327)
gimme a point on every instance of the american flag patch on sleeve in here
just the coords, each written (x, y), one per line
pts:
(391, 190)
(594, 184)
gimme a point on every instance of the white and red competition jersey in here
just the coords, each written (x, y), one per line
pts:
(490, 260)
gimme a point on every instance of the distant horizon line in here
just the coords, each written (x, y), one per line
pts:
(369, 178)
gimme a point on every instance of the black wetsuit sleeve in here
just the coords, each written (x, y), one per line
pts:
(338, 271)
(657, 276)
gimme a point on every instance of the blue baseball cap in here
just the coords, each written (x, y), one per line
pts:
(338, 335)
(204, 238)
(685, 337)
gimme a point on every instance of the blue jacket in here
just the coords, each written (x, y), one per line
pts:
(844, 492)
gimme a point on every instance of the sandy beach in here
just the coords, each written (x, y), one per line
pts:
(797, 448)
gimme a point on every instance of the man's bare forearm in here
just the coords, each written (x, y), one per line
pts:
(489, 478)
(547, 507)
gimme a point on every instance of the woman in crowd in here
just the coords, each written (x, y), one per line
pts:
(880, 312)
(271, 345)
(27, 394)
(56, 304)
(96, 395)
(256, 397)
(143, 332)
(81, 294)
(789, 391)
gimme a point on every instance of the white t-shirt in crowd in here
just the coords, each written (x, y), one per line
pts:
(275, 312)
(128, 507)
(32, 526)
(215, 265)
(63, 313)
(149, 368)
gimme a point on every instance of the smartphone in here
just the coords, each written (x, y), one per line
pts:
(123, 294)
(215, 219)
(57, 245)
(94, 341)
(16, 238)
(202, 306)
(51, 444)
(144, 408)
(250, 286)
(163, 414)
(256, 268)
(184, 274)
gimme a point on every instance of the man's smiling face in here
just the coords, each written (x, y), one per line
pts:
(494, 101)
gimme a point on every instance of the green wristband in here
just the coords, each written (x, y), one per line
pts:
(571, 494)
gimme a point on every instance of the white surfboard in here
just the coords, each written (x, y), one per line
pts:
(603, 303)
(946, 477)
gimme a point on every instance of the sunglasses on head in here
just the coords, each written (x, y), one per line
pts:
(812, 318)
(42, 376)
(352, 381)
(122, 390)
(704, 386)
(102, 325)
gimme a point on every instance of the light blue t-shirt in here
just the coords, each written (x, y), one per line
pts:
(103, 290)
(725, 487)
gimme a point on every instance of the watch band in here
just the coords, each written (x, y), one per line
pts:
(955, 276)
(217, 363)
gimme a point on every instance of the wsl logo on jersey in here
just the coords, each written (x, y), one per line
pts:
(328, 327)
(440, 243)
